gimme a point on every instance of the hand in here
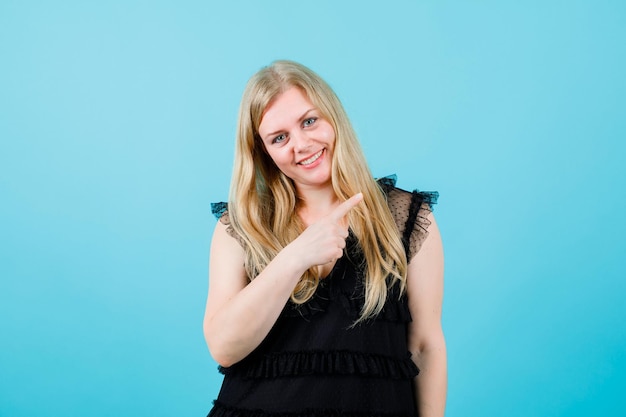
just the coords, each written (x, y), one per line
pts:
(323, 241)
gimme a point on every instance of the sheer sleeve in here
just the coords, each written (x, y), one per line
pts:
(220, 211)
(410, 211)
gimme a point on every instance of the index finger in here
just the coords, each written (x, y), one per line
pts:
(343, 208)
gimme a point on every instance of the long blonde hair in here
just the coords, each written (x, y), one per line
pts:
(263, 201)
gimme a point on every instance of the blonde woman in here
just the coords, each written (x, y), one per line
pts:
(325, 285)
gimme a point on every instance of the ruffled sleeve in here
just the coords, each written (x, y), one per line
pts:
(410, 210)
(220, 211)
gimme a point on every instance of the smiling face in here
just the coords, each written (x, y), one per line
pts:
(298, 139)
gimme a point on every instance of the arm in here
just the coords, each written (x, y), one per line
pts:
(239, 313)
(426, 340)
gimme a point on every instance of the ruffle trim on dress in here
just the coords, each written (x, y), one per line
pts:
(288, 364)
(388, 183)
(218, 209)
(222, 410)
(410, 210)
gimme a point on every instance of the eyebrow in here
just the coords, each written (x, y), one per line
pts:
(304, 116)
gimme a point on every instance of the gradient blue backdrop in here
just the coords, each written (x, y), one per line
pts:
(116, 132)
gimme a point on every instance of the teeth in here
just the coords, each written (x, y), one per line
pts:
(312, 159)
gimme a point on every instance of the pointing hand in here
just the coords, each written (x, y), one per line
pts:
(323, 241)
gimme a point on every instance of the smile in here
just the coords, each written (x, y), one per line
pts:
(312, 159)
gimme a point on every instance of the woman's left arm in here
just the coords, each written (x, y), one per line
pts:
(426, 340)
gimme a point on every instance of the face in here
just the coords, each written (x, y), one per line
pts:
(299, 140)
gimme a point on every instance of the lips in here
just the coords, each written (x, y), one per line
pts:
(312, 158)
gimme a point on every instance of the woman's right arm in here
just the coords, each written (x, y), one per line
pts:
(240, 313)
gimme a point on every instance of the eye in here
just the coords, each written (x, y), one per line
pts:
(308, 122)
(279, 139)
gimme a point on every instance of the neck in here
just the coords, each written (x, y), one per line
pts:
(316, 203)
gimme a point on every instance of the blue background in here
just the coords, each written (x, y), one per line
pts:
(117, 123)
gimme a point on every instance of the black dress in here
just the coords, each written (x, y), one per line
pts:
(314, 362)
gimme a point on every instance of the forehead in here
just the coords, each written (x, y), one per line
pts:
(288, 107)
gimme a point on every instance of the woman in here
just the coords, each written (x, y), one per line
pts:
(325, 287)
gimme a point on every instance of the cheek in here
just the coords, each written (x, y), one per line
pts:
(279, 158)
(329, 134)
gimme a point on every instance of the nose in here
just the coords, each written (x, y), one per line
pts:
(302, 142)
